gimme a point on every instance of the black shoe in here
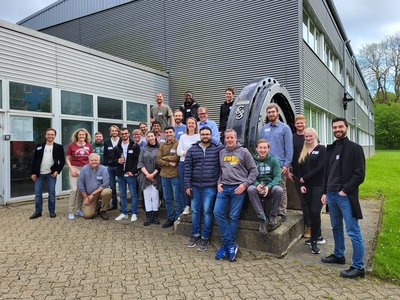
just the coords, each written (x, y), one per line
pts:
(283, 217)
(352, 273)
(263, 228)
(155, 219)
(314, 248)
(169, 223)
(35, 215)
(112, 207)
(103, 215)
(333, 259)
(53, 214)
(320, 241)
(149, 218)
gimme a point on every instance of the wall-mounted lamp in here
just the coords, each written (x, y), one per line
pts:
(346, 99)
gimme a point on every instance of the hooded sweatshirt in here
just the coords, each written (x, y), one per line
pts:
(269, 171)
(237, 166)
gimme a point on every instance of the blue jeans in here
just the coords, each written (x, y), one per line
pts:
(339, 209)
(203, 200)
(113, 186)
(51, 187)
(172, 190)
(181, 170)
(131, 182)
(228, 199)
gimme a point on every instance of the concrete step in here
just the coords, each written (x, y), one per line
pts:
(276, 243)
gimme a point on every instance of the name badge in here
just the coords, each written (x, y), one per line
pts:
(337, 156)
(267, 129)
(180, 132)
(230, 107)
(110, 148)
(315, 152)
(173, 151)
(99, 177)
(86, 148)
(126, 175)
(39, 148)
(160, 113)
(162, 140)
(188, 110)
(130, 151)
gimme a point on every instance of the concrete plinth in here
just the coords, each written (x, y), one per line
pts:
(276, 243)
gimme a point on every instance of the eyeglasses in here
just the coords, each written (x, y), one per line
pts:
(125, 133)
(202, 114)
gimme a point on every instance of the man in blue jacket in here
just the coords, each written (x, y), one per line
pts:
(48, 161)
(202, 170)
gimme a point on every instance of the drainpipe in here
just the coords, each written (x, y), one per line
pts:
(344, 79)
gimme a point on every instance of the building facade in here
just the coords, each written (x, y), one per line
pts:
(206, 46)
(49, 82)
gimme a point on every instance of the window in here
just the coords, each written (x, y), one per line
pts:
(104, 127)
(30, 97)
(76, 104)
(109, 108)
(136, 112)
(67, 128)
(305, 26)
(1, 94)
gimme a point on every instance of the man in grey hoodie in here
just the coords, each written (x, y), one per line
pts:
(238, 172)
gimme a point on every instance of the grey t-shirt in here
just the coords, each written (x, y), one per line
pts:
(162, 114)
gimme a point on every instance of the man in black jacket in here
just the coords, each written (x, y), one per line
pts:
(225, 110)
(344, 172)
(48, 161)
(126, 155)
(109, 146)
(189, 107)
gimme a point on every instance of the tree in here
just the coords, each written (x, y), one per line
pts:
(387, 126)
(380, 63)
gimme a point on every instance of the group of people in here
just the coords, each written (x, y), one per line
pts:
(196, 166)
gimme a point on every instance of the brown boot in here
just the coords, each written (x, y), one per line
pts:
(307, 233)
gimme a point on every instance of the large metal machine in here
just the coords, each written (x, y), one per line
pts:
(248, 115)
(248, 112)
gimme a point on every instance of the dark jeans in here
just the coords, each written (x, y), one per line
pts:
(314, 206)
(113, 185)
(51, 187)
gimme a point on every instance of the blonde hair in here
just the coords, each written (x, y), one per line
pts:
(299, 117)
(74, 137)
(304, 151)
(196, 130)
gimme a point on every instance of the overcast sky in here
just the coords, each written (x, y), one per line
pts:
(365, 21)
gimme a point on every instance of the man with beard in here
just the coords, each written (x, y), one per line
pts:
(179, 127)
(126, 155)
(161, 112)
(156, 128)
(189, 107)
(202, 170)
(279, 136)
(344, 172)
(110, 164)
(48, 161)
(225, 111)
(167, 160)
(98, 146)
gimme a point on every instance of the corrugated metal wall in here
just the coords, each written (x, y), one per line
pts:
(205, 45)
(66, 10)
(35, 58)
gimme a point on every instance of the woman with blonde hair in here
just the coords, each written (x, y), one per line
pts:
(311, 170)
(185, 142)
(76, 157)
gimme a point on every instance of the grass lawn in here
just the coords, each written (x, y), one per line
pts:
(383, 181)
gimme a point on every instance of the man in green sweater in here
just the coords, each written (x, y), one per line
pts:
(266, 186)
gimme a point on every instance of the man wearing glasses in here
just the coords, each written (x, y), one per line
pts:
(204, 121)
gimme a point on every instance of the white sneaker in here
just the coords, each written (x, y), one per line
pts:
(79, 213)
(71, 216)
(121, 217)
(186, 211)
(133, 218)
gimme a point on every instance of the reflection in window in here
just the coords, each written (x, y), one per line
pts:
(67, 128)
(109, 108)
(21, 153)
(76, 104)
(104, 127)
(136, 112)
(30, 97)
(132, 128)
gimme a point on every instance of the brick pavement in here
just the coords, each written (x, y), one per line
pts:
(95, 259)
